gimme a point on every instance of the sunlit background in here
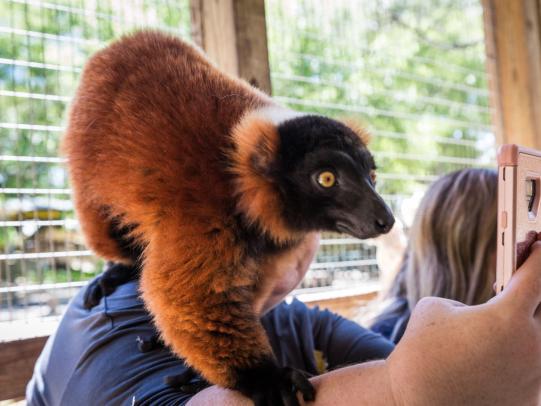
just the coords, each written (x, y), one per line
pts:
(413, 72)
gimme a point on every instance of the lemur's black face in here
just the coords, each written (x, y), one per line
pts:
(326, 177)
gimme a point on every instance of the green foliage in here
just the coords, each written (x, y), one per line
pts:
(43, 47)
(409, 70)
(412, 71)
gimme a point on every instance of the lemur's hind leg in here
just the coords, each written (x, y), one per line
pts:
(115, 275)
(100, 230)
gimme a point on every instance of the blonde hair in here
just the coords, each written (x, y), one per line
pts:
(452, 241)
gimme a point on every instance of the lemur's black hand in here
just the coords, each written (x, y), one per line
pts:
(270, 385)
(114, 275)
(93, 294)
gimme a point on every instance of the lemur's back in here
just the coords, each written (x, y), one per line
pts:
(156, 147)
(136, 121)
(215, 181)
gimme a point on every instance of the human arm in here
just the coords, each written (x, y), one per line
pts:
(363, 384)
(454, 354)
(450, 354)
(484, 355)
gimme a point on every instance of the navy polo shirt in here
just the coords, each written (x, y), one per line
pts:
(93, 359)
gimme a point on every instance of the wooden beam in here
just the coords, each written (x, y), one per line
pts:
(513, 47)
(350, 307)
(17, 359)
(233, 33)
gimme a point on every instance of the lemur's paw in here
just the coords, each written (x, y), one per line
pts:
(93, 294)
(270, 385)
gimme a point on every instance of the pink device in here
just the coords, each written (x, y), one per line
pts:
(519, 189)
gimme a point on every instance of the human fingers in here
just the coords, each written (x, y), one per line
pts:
(524, 288)
(523, 247)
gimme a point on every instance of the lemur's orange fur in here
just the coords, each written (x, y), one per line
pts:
(256, 195)
(358, 129)
(147, 132)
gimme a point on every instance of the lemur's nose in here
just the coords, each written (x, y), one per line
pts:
(384, 225)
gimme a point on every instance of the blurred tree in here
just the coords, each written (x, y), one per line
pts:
(412, 71)
(43, 47)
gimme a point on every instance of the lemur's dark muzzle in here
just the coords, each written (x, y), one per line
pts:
(384, 220)
(372, 218)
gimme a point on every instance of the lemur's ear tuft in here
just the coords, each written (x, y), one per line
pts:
(257, 144)
(358, 128)
(256, 141)
(264, 153)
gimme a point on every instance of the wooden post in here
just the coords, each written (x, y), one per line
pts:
(513, 47)
(233, 33)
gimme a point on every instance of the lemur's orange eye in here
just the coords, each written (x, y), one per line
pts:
(373, 177)
(326, 179)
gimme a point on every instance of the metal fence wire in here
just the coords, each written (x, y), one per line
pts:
(407, 69)
(43, 46)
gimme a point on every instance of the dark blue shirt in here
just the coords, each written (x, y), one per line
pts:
(392, 322)
(93, 358)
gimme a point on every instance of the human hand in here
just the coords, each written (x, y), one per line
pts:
(480, 355)
(523, 247)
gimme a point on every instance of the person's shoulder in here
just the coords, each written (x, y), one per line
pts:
(94, 354)
(294, 312)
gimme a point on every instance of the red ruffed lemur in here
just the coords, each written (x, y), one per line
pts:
(201, 179)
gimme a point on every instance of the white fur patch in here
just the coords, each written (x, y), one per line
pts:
(278, 114)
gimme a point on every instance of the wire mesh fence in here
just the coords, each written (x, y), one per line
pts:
(43, 46)
(407, 70)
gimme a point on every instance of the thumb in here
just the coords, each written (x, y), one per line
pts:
(524, 288)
